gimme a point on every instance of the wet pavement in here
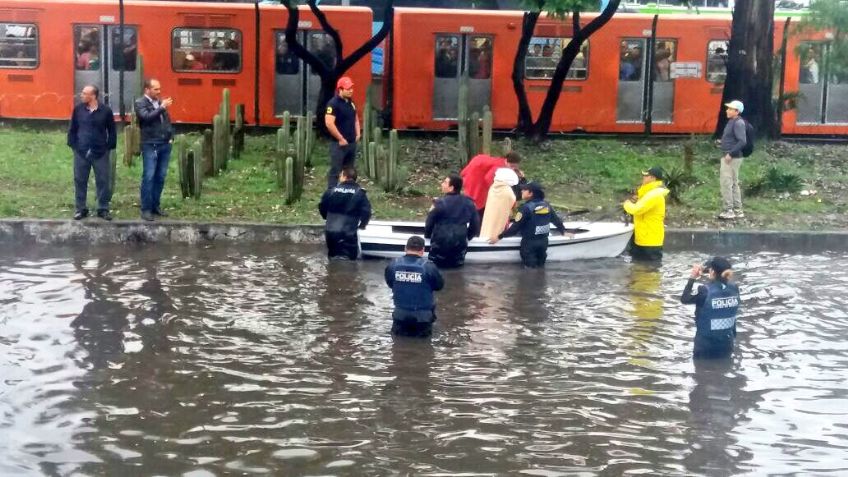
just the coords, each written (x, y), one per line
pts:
(257, 360)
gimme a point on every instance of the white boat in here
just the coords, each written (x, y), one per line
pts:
(387, 239)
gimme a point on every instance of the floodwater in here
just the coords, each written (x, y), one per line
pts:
(236, 360)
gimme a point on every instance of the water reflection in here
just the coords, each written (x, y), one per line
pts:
(229, 360)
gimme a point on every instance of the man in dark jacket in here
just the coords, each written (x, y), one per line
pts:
(533, 221)
(346, 208)
(91, 136)
(413, 279)
(716, 308)
(452, 222)
(156, 138)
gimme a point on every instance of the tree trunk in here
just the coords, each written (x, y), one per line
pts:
(525, 115)
(750, 66)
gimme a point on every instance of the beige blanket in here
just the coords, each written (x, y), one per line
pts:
(499, 205)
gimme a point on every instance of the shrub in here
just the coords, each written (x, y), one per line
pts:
(774, 180)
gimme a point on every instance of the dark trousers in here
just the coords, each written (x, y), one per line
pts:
(645, 254)
(342, 245)
(534, 253)
(707, 347)
(340, 157)
(83, 163)
(414, 324)
(155, 158)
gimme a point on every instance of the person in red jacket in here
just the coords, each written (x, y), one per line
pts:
(479, 175)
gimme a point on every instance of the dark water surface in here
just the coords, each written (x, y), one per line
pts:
(170, 360)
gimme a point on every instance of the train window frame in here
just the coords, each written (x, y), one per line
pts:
(37, 56)
(206, 71)
(584, 48)
(707, 62)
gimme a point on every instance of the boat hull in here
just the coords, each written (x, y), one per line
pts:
(386, 239)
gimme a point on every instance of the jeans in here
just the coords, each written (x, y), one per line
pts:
(731, 195)
(155, 158)
(83, 163)
(340, 157)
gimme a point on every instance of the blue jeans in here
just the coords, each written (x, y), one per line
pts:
(155, 158)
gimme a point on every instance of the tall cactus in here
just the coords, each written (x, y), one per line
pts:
(309, 139)
(208, 153)
(197, 169)
(487, 131)
(238, 132)
(462, 120)
(225, 116)
(391, 182)
(181, 150)
(219, 144)
(290, 190)
(367, 124)
(474, 135)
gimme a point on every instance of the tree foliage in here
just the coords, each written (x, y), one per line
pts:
(561, 10)
(831, 16)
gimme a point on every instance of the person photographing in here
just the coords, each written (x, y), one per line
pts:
(716, 308)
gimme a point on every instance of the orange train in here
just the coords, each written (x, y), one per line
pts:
(50, 48)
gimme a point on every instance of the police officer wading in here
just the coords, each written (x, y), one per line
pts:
(451, 223)
(343, 124)
(716, 307)
(413, 279)
(533, 221)
(346, 208)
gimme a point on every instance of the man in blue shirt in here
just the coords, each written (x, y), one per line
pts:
(413, 279)
(343, 124)
(91, 136)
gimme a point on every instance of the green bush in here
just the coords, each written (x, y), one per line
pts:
(775, 179)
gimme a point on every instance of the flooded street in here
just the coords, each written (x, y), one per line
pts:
(231, 360)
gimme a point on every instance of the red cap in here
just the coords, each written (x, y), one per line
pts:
(344, 83)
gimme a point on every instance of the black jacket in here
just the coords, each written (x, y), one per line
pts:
(92, 131)
(450, 225)
(533, 221)
(345, 208)
(155, 123)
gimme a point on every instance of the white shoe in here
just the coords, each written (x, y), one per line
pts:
(739, 214)
(727, 215)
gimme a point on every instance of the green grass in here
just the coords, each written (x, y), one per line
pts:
(36, 180)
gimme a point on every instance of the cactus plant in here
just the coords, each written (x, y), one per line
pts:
(207, 153)
(487, 131)
(197, 169)
(474, 135)
(291, 192)
(462, 120)
(238, 132)
(218, 144)
(180, 149)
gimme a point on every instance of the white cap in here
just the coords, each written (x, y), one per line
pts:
(507, 175)
(736, 104)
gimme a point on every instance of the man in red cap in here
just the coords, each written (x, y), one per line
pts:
(343, 124)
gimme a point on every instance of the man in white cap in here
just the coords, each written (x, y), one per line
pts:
(733, 140)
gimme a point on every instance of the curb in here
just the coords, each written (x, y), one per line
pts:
(95, 232)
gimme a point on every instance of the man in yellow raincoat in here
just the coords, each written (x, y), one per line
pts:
(648, 216)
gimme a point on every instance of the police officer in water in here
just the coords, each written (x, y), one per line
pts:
(413, 279)
(716, 307)
(346, 208)
(342, 123)
(533, 221)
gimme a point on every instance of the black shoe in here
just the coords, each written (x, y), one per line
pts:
(105, 215)
(159, 212)
(145, 215)
(80, 214)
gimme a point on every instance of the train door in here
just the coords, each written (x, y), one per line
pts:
(634, 76)
(296, 86)
(99, 54)
(457, 55)
(823, 92)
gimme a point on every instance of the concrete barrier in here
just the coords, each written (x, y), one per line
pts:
(94, 231)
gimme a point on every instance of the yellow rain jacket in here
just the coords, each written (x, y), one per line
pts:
(648, 214)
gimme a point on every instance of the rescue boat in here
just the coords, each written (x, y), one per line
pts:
(587, 240)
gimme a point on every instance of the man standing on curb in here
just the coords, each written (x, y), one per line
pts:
(343, 124)
(733, 140)
(91, 136)
(648, 211)
(156, 138)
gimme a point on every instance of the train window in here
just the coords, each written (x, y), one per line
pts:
(124, 53)
(631, 60)
(664, 55)
(87, 53)
(480, 58)
(322, 46)
(286, 62)
(447, 56)
(206, 50)
(811, 60)
(543, 56)
(717, 60)
(18, 45)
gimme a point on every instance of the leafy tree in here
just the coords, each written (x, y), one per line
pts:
(330, 75)
(560, 9)
(831, 16)
(750, 66)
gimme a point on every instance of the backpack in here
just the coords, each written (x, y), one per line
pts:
(748, 149)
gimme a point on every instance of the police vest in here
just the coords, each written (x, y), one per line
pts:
(718, 313)
(411, 288)
(540, 219)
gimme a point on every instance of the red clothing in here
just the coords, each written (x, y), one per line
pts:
(479, 175)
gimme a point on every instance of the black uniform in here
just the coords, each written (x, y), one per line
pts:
(533, 221)
(342, 156)
(716, 307)
(413, 280)
(345, 208)
(450, 225)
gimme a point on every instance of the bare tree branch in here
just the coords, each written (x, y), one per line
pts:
(325, 25)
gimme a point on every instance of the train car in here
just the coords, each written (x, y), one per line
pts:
(608, 84)
(49, 49)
